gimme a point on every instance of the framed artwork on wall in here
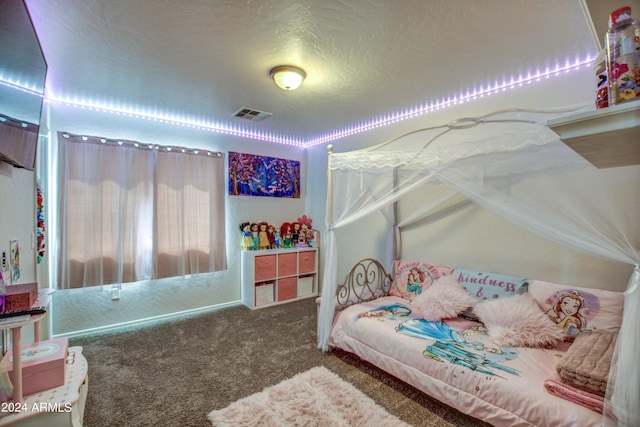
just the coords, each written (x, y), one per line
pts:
(252, 175)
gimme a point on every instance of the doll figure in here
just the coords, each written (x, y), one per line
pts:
(311, 238)
(271, 235)
(302, 235)
(277, 238)
(285, 229)
(263, 237)
(254, 236)
(247, 240)
(295, 232)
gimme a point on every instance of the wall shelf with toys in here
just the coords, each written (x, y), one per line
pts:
(279, 262)
(261, 235)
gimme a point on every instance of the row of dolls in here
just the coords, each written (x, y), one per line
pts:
(261, 235)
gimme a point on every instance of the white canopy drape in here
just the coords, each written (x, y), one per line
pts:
(516, 167)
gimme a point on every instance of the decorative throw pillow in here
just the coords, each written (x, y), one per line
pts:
(578, 309)
(517, 321)
(411, 278)
(488, 286)
(444, 299)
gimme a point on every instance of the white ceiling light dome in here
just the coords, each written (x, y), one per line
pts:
(287, 77)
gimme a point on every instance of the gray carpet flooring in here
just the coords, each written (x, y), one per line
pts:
(174, 373)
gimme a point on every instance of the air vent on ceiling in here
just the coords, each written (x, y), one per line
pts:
(251, 114)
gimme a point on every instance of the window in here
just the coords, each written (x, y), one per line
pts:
(131, 212)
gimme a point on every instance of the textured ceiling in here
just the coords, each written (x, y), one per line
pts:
(365, 60)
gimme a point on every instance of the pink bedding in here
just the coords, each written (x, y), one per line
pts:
(456, 363)
(581, 397)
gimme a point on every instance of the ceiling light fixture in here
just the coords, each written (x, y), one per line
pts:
(287, 77)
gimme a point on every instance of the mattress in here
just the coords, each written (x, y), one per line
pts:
(456, 362)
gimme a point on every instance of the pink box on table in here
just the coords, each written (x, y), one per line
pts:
(20, 296)
(44, 365)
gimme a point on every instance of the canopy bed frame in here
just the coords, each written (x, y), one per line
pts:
(512, 164)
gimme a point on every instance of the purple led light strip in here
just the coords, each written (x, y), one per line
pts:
(332, 136)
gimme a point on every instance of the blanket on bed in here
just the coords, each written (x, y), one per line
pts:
(572, 394)
(586, 364)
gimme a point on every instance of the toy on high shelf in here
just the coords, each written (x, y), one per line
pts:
(302, 235)
(304, 230)
(285, 230)
(311, 238)
(277, 238)
(262, 235)
(247, 241)
(255, 236)
(295, 233)
(622, 43)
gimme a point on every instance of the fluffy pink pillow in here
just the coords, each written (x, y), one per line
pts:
(444, 299)
(517, 321)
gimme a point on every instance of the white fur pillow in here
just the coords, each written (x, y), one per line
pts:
(444, 299)
(518, 321)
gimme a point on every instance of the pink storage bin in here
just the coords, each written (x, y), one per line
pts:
(265, 267)
(287, 264)
(306, 262)
(287, 288)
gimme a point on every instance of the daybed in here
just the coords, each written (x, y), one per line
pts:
(459, 361)
(511, 165)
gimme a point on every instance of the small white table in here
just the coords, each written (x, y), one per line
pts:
(15, 324)
(56, 407)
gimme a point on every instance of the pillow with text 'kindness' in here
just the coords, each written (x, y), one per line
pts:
(487, 286)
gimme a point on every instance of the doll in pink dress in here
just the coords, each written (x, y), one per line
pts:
(302, 236)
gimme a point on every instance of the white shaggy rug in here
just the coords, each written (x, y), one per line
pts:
(317, 397)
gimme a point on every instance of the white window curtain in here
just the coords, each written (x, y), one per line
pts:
(523, 173)
(189, 230)
(130, 212)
